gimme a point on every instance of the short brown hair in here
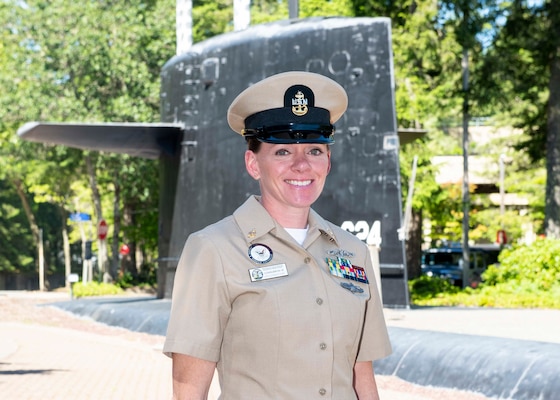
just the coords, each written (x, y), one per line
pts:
(253, 144)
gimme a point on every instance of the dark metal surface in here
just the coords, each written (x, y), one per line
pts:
(363, 186)
(140, 140)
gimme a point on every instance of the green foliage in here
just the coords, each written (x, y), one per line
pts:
(80, 289)
(528, 276)
(146, 278)
(534, 267)
(125, 281)
(514, 73)
(268, 11)
(221, 21)
(104, 66)
(425, 288)
(495, 296)
(16, 244)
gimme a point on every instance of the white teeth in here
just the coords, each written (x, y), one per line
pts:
(299, 183)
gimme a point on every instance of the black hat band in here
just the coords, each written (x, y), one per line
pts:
(293, 133)
(281, 125)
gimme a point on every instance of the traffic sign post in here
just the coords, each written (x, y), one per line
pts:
(102, 229)
(80, 217)
(501, 237)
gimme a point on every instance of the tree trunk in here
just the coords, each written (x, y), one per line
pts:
(37, 236)
(103, 264)
(65, 245)
(116, 229)
(94, 189)
(128, 261)
(27, 208)
(552, 205)
(414, 245)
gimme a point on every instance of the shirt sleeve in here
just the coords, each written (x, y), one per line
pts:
(375, 343)
(200, 303)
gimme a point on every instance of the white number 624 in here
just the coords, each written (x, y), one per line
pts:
(363, 232)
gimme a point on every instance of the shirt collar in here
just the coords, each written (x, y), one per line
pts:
(255, 222)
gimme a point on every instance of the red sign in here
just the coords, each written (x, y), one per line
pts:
(102, 229)
(501, 237)
(124, 250)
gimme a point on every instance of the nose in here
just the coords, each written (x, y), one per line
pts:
(301, 163)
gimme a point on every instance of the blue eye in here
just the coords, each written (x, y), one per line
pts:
(316, 151)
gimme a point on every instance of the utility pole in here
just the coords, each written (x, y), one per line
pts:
(466, 198)
(502, 189)
(41, 262)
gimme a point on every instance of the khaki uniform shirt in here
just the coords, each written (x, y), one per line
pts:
(280, 325)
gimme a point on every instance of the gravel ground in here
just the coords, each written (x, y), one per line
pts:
(24, 307)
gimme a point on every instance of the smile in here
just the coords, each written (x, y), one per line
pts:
(299, 183)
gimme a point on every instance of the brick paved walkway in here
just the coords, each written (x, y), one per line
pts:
(57, 363)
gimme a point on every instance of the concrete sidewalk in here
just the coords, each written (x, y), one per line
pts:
(42, 362)
(48, 354)
(524, 324)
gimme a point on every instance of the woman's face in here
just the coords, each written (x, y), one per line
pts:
(290, 175)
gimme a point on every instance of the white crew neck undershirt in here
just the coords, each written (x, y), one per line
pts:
(298, 234)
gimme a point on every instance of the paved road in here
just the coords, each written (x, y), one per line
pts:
(525, 324)
(46, 353)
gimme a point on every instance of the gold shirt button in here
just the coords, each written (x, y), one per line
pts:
(319, 300)
(322, 392)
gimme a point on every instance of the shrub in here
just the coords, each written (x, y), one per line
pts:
(125, 281)
(428, 287)
(146, 279)
(80, 289)
(528, 276)
(537, 264)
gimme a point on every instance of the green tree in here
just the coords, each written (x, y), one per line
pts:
(103, 66)
(17, 246)
(267, 11)
(520, 74)
(211, 18)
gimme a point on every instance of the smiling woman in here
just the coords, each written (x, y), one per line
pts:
(282, 302)
(291, 178)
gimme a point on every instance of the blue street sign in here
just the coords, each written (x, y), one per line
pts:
(80, 217)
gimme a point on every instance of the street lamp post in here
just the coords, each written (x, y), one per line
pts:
(502, 189)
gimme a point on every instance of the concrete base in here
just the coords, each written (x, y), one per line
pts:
(139, 314)
(496, 367)
(500, 368)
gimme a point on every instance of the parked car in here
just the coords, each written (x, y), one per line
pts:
(447, 263)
